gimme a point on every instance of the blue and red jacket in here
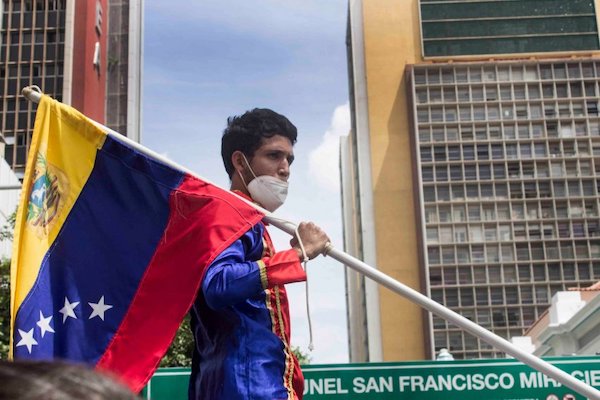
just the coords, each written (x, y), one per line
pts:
(241, 324)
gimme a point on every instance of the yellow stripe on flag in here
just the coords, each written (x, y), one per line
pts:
(61, 158)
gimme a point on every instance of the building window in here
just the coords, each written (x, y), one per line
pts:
(469, 29)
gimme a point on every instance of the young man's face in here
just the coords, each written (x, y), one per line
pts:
(273, 158)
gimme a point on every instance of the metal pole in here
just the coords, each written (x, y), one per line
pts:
(390, 283)
(468, 325)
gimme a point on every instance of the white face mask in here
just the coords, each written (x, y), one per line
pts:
(268, 191)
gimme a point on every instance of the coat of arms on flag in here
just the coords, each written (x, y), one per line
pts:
(46, 196)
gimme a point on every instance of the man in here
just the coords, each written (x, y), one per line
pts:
(240, 320)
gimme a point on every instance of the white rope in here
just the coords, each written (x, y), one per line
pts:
(311, 345)
(305, 260)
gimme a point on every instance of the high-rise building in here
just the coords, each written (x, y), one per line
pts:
(61, 46)
(124, 67)
(472, 172)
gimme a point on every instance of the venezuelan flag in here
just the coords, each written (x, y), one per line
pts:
(110, 247)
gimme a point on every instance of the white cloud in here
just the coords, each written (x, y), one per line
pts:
(324, 160)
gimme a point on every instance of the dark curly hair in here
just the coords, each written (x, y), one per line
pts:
(246, 132)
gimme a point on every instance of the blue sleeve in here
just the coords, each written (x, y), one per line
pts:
(231, 278)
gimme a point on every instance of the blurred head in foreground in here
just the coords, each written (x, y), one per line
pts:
(52, 380)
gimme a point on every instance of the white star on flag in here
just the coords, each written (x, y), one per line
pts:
(99, 308)
(67, 310)
(44, 324)
(27, 339)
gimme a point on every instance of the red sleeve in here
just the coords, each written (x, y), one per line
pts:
(281, 268)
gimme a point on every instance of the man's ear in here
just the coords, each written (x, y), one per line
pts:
(237, 159)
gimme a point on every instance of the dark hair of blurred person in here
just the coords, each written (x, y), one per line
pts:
(56, 380)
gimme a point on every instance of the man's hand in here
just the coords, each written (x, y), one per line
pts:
(314, 240)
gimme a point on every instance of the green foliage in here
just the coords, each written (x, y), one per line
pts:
(4, 308)
(303, 358)
(6, 233)
(180, 352)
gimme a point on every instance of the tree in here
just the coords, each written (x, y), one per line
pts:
(303, 358)
(180, 352)
(4, 308)
(6, 233)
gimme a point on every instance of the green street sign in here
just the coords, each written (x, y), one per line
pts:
(504, 379)
(168, 384)
(498, 379)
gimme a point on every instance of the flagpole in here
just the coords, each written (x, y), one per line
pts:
(381, 278)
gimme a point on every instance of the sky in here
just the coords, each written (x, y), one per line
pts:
(207, 60)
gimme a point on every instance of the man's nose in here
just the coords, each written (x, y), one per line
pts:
(284, 170)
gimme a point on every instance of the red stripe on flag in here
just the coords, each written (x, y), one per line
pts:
(203, 221)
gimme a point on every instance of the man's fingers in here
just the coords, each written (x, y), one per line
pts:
(327, 248)
(313, 238)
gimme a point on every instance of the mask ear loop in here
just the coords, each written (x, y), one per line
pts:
(242, 176)
(268, 190)
(249, 167)
(243, 180)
